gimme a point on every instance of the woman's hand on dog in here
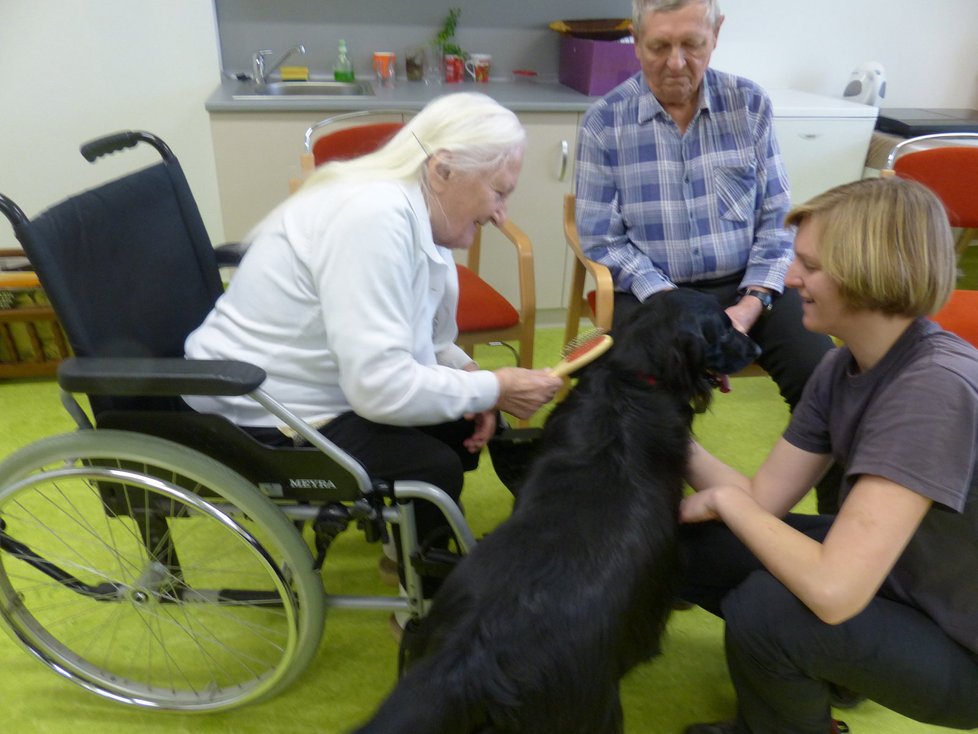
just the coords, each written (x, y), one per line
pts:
(523, 392)
(703, 506)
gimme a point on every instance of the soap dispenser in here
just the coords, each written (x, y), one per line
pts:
(343, 68)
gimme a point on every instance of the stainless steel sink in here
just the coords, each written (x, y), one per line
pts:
(329, 89)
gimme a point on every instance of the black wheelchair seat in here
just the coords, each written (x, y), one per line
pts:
(304, 474)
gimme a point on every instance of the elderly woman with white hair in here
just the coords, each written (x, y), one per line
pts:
(347, 299)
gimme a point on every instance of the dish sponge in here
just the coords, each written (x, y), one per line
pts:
(295, 73)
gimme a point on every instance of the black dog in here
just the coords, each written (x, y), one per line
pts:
(534, 629)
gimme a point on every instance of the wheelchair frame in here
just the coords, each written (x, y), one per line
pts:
(107, 538)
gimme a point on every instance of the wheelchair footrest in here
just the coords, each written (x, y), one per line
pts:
(435, 562)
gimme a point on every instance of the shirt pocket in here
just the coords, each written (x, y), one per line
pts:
(736, 188)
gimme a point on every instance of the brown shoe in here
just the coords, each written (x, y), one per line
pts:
(387, 568)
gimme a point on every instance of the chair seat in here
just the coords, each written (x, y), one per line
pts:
(592, 300)
(481, 307)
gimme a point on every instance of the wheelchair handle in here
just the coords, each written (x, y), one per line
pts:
(115, 142)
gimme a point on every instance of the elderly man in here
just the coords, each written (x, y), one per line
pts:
(680, 183)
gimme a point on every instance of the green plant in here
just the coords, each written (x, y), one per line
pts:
(445, 39)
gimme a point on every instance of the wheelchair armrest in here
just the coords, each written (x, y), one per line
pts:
(158, 376)
(230, 254)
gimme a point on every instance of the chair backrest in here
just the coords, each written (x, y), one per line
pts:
(960, 315)
(948, 165)
(345, 143)
(128, 266)
(352, 142)
(599, 301)
(323, 144)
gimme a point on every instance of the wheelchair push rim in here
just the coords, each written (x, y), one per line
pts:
(123, 569)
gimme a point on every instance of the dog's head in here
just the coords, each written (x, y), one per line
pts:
(683, 341)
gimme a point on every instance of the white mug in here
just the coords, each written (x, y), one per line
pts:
(478, 66)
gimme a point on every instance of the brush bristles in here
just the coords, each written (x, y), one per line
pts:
(581, 343)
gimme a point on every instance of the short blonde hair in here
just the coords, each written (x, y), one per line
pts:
(886, 242)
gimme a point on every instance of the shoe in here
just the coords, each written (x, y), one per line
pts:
(397, 631)
(844, 698)
(839, 727)
(387, 568)
(717, 727)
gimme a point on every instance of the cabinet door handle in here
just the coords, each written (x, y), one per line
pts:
(809, 136)
(562, 160)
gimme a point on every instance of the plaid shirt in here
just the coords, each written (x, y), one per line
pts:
(661, 208)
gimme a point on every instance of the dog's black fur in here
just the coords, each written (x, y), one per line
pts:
(534, 629)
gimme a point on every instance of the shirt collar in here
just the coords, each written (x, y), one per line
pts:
(649, 107)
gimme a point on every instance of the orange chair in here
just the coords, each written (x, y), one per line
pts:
(598, 304)
(947, 163)
(484, 315)
(32, 342)
(960, 315)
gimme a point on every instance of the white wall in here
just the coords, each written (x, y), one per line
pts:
(73, 70)
(929, 49)
(76, 69)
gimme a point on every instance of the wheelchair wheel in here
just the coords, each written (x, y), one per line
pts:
(153, 575)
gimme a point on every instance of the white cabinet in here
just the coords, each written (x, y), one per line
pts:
(824, 141)
(256, 155)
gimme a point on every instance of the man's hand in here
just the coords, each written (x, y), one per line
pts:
(745, 313)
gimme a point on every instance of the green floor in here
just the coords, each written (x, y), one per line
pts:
(356, 663)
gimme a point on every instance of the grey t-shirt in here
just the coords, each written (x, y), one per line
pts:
(912, 419)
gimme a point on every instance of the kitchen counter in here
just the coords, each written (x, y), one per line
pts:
(522, 96)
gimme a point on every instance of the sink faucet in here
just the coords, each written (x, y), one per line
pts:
(261, 71)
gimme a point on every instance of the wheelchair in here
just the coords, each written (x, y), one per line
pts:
(156, 556)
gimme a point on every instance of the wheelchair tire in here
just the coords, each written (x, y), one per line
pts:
(153, 575)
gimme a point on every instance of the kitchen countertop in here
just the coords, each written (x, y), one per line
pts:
(522, 96)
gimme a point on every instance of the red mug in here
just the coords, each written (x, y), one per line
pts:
(454, 68)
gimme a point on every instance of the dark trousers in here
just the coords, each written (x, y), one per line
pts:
(432, 454)
(789, 353)
(782, 658)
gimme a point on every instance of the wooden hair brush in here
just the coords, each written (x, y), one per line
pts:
(582, 351)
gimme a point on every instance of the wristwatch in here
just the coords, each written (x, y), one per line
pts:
(766, 299)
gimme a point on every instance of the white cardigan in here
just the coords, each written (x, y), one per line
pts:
(346, 302)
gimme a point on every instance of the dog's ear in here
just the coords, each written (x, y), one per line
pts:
(683, 369)
(661, 339)
(640, 338)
